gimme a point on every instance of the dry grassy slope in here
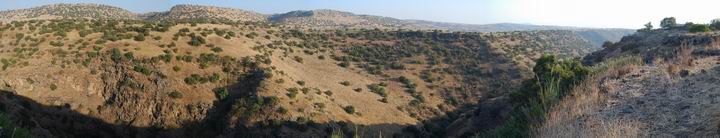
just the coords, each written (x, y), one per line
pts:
(673, 95)
(83, 91)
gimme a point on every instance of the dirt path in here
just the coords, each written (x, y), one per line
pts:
(668, 105)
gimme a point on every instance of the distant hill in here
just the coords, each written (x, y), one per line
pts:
(315, 19)
(195, 12)
(54, 11)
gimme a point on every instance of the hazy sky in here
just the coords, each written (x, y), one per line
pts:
(584, 13)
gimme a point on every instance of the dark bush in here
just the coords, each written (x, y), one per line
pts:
(349, 109)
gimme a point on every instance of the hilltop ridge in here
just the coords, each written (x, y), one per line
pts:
(314, 19)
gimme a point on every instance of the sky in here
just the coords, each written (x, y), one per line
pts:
(581, 13)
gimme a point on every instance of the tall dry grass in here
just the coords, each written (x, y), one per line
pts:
(571, 117)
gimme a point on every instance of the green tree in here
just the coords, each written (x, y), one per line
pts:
(715, 24)
(196, 40)
(668, 23)
(696, 28)
(140, 37)
(116, 55)
(648, 27)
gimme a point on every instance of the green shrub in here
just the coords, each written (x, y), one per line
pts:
(282, 110)
(345, 83)
(175, 95)
(280, 81)
(696, 28)
(554, 79)
(116, 55)
(176, 68)
(8, 125)
(320, 105)
(193, 79)
(344, 64)
(377, 89)
(142, 70)
(298, 59)
(196, 40)
(292, 92)
(129, 56)
(301, 83)
(217, 49)
(57, 43)
(53, 87)
(222, 93)
(139, 37)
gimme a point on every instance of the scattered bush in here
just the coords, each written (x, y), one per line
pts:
(223, 93)
(301, 83)
(377, 89)
(176, 95)
(349, 109)
(217, 49)
(298, 59)
(129, 56)
(116, 55)
(282, 110)
(328, 93)
(53, 87)
(320, 105)
(57, 43)
(139, 37)
(292, 92)
(345, 83)
(196, 40)
(142, 70)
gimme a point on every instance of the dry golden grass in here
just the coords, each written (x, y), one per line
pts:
(572, 117)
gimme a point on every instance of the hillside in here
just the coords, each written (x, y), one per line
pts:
(666, 89)
(314, 19)
(201, 71)
(246, 78)
(55, 11)
(197, 12)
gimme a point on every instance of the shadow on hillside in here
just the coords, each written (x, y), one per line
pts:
(61, 121)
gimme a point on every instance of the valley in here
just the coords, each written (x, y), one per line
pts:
(87, 70)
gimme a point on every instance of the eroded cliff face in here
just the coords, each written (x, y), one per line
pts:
(143, 101)
(117, 100)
